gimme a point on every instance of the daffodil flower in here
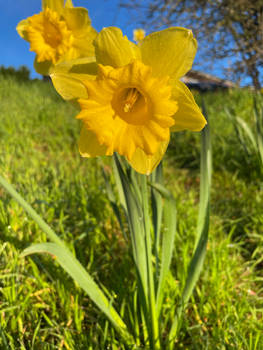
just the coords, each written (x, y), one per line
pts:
(59, 32)
(133, 99)
(138, 34)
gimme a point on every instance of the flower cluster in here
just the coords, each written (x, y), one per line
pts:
(130, 96)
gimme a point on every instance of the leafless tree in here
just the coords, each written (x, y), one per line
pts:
(224, 28)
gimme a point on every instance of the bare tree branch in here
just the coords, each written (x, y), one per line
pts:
(224, 28)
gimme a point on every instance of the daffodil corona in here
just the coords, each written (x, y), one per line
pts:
(60, 32)
(128, 109)
(134, 99)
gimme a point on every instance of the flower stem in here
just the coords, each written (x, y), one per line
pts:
(152, 304)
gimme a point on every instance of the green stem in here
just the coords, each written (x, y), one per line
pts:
(152, 304)
(157, 214)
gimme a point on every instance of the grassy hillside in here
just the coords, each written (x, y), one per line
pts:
(41, 308)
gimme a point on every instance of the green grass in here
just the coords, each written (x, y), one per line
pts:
(41, 308)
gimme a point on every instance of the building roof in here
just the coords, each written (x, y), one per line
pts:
(204, 81)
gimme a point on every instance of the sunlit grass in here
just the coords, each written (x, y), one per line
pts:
(41, 308)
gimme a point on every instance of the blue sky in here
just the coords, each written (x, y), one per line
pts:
(15, 51)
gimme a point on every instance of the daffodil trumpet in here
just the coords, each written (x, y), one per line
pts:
(134, 99)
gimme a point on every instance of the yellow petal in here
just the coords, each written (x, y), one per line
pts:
(77, 18)
(68, 3)
(83, 44)
(55, 5)
(169, 52)
(22, 29)
(89, 145)
(114, 49)
(68, 77)
(42, 67)
(144, 163)
(79, 23)
(188, 116)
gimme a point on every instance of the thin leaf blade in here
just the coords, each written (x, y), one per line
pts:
(73, 267)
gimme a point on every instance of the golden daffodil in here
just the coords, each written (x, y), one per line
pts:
(138, 34)
(133, 98)
(59, 32)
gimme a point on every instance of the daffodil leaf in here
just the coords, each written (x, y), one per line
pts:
(197, 261)
(169, 231)
(169, 52)
(189, 115)
(157, 210)
(114, 49)
(73, 267)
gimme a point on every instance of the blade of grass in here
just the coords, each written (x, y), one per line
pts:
(113, 202)
(31, 212)
(247, 130)
(239, 133)
(7, 347)
(258, 113)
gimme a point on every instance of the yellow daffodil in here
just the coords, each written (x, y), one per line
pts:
(59, 32)
(138, 34)
(133, 98)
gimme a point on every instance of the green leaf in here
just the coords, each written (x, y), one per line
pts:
(134, 188)
(248, 132)
(258, 113)
(113, 201)
(169, 231)
(197, 260)
(73, 267)
(157, 212)
(134, 215)
(119, 184)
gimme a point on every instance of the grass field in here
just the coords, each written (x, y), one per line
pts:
(42, 308)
